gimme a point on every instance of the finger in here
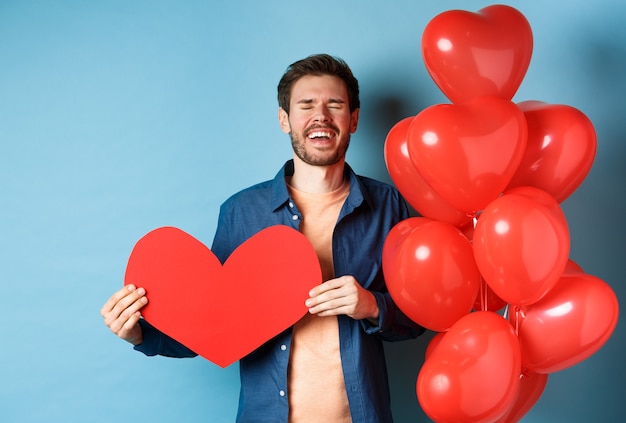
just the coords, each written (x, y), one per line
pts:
(329, 285)
(126, 305)
(115, 298)
(327, 301)
(342, 292)
(127, 329)
(332, 310)
(322, 298)
(327, 313)
(127, 318)
(320, 289)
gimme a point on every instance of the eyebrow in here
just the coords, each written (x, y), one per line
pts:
(311, 101)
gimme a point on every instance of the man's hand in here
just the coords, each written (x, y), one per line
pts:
(121, 313)
(343, 295)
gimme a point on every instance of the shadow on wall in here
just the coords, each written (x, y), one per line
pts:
(596, 210)
(388, 95)
(602, 66)
(383, 108)
(386, 98)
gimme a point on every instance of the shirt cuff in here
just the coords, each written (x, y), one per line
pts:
(151, 341)
(367, 324)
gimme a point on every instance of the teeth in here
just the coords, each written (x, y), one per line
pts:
(320, 134)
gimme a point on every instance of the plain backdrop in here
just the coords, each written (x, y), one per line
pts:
(120, 116)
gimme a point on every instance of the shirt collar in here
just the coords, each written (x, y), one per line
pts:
(280, 196)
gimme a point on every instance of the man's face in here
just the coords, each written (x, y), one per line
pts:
(319, 121)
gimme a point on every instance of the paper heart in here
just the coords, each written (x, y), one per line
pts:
(224, 312)
(568, 325)
(468, 152)
(474, 54)
(560, 150)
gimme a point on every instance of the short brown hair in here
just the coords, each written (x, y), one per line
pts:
(318, 64)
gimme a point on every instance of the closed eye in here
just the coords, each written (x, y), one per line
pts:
(336, 103)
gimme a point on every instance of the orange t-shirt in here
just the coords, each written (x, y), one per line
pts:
(317, 391)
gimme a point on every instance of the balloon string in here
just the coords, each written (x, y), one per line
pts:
(524, 374)
(519, 314)
(483, 287)
(483, 295)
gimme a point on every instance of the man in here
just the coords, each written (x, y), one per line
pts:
(330, 366)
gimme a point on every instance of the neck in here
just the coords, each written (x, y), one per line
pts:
(317, 179)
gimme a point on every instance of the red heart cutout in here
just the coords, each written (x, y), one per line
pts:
(224, 312)
(560, 150)
(468, 152)
(475, 54)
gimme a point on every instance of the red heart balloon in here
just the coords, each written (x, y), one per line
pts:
(393, 245)
(472, 374)
(572, 268)
(531, 386)
(430, 272)
(568, 325)
(224, 312)
(432, 344)
(560, 149)
(468, 152)
(409, 181)
(521, 245)
(474, 54)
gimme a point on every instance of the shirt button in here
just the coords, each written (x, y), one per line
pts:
(283, 347)
(281, 393)
(294, 217)
(291, 204)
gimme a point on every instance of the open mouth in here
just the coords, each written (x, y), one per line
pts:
(320, 135)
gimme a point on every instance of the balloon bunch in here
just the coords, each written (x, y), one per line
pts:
(488, 176)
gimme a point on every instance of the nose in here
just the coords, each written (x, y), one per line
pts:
(321, 114)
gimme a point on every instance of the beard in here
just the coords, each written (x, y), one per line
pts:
(319, 158)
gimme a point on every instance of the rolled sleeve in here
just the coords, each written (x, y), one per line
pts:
(155, 342)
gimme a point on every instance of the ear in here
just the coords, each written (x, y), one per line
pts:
(354, 121)
(283, 120)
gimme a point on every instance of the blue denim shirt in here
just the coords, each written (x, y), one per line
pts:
(368, 214)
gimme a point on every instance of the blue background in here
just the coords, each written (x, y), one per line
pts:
(117, 117)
